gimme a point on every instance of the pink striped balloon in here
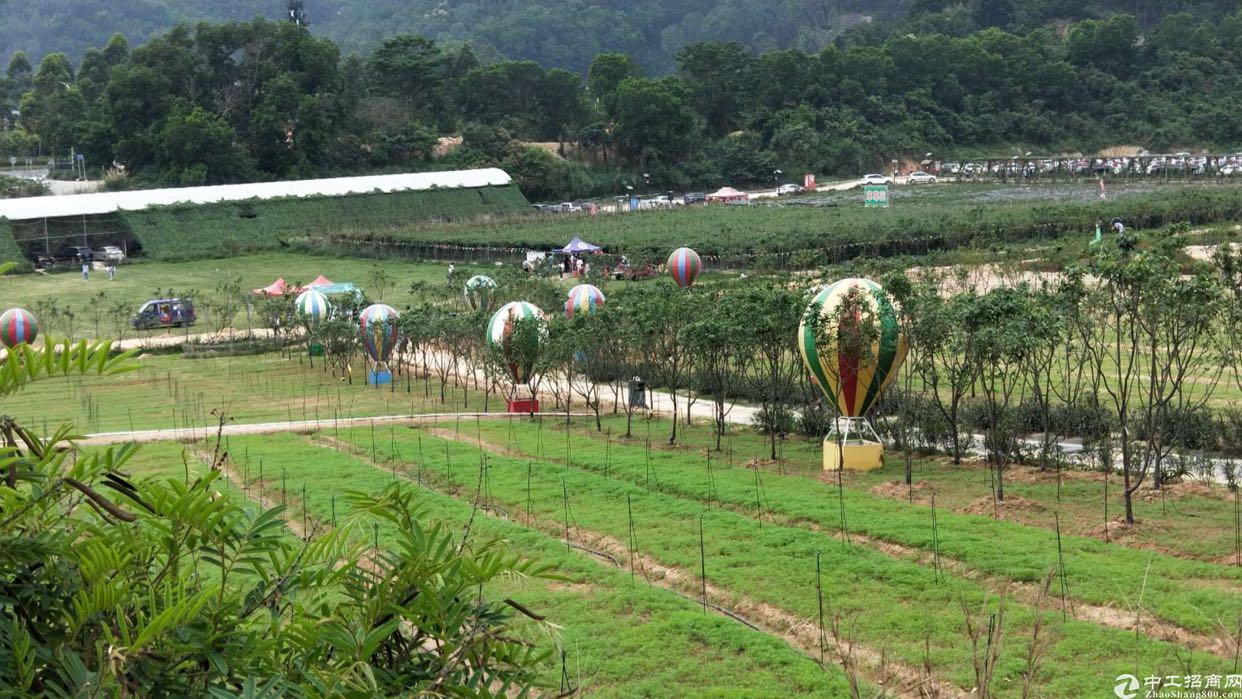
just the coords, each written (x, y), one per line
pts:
(17, 325)
(684, 264)
(583, 299)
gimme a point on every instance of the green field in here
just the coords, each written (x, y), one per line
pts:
(893, 603)
(620, 639)
(167, 391)
(640, 531)
(787, 235)
(138, 282)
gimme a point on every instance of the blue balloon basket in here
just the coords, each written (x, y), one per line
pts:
(379, 378)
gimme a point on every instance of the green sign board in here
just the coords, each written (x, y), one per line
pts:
(875, 195)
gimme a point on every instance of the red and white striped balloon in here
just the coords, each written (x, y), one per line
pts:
(684, 264)
(17, 325)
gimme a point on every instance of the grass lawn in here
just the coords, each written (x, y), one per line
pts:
(1193, 594)
(894, 604)
(167, 391)
(1190, 519)
(138, 282)
(621, 639)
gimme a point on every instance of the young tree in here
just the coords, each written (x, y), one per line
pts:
(1004, 327)
(658, 312)
(947, 363)
(1149, 328)
(714, 342)
(770, 313)
(909, 298)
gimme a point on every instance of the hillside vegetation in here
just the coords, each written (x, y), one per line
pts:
(652, 32)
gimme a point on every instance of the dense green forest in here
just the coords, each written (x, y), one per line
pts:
(261, 99)
(569, 33)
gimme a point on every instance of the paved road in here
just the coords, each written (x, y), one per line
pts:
(295, 426)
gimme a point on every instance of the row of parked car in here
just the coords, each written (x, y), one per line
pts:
(1145, 165)
(82, 254)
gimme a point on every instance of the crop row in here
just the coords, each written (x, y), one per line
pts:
(1192, 594)
(907, 609)
(621, 638)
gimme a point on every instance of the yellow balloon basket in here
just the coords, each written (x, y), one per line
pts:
(857, 448)
(853, 456)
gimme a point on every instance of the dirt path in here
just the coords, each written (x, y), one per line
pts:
(1026, 593)
(874, 665)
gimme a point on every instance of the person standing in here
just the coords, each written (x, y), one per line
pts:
(448, 281)
(86, 270)
(111, 270)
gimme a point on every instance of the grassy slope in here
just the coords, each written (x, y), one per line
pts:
(1192, 521)
(218, 230)
(1193, 594)
(893, 604)
(622, 639)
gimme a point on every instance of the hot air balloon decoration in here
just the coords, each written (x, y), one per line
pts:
(18, 326)
(684, 264)
(515, 334)
(377, 326)
(852, 344)
(312, 305)
(584, 299)
(480, 293)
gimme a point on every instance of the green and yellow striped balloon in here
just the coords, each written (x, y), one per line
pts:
(851, 379)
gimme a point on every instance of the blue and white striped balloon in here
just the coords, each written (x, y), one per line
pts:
(312, 304)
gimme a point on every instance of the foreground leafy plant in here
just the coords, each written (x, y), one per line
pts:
(116, 587)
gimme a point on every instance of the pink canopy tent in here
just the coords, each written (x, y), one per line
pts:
(276, 288)
(321, 281)
(727, 194)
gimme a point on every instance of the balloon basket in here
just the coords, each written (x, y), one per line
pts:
(523, 400)
(856, 448)
(524, 405)
(379, 378)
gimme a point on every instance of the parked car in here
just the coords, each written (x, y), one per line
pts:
(164, 313)
(1229, 171)
(570, 207)
(789, 189)
(921, 177)
(111, 253)
(876, 178)
(694, 198)
(78, 253)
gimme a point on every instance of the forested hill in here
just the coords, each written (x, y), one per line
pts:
(569, 33)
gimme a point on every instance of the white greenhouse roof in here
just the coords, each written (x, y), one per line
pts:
(108, 202)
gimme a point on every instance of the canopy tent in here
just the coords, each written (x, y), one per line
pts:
(276, 288)
(321, 281)
(335, 288)
(728, 194)
(579, 245)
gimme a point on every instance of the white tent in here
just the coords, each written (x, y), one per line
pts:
(108, 202)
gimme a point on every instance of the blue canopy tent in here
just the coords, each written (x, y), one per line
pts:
(578, 245)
